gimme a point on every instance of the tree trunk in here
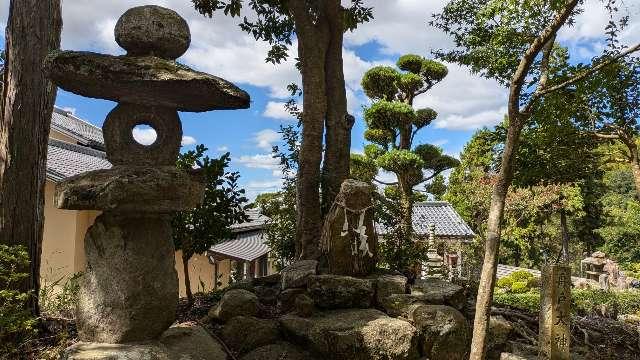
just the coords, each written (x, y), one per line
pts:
(492, 245)
(27, 102)
(338, 122)
(565, 236)
(187, 280)
(312, 49)
(635, 168)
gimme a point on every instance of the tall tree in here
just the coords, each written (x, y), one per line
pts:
(33, 31)
(513, 43)
(319, 26)
(392, 124)
(196, 230)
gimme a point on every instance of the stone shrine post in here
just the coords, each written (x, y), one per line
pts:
(129, 291)
(555, 317)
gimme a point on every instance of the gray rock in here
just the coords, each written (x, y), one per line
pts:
(183, 341)
(337, 249)
(236, 302)
(510, 356)
(243, 334)
(304, 305)
(436, 291)
(444, 332)
(130, 270)
(286, 299)
(499, 331)
(244, 284)
(267, 294)
(339, 292)
(131, 189)
(278, 351)
(402, 304)
(153, 30)
(296, 274)
(269, 280)
(387, 285)
(356, 334)
(144, 80)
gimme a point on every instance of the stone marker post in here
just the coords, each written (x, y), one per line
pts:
(349, 243)
(129, 291)
(555, 317)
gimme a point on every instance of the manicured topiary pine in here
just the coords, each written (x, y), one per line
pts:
(392, 123)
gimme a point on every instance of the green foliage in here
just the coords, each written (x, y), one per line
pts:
(518, 282)
(59, 298)
(363, 168)
(519, 287)
(437, 187)
(16, 321)
(433, 71)
(410, 63)
(587, 302)
(389, 115)
(400, 161)
(424, 117)
(379, 83)
(521, 275)
(529, 301)
(504, 283)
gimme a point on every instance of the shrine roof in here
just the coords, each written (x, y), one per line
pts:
(83, 132)
(65, 160)
(447, 221)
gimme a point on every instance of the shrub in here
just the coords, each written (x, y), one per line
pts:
(16, 322)
(521, 275)
(526, 301)
(60, 301)
(505, 283)
(519, 287)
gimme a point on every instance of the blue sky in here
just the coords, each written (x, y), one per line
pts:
(464, 102)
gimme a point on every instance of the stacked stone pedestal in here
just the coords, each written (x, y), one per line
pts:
(129, 292)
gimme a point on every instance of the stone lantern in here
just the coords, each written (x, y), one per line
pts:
(129, 292)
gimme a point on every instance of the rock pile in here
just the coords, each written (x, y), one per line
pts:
(342, 317)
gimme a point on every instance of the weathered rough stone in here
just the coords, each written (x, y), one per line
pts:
(444, 332)
(436, 291)
(286, 299)
(388, 285)
(269, 280)
(304, 305)
(402, 304)
(244, 284)
(234, 303)
(183, 341)
(278, 351)
(243, 334)
(338, 249)
(131, 189)
(355, 334)
(130, 270)
(123, 149)
(510, 356)
(147, 80)
(499, 331)
(267, 294)
(153, 30)
(340, 292)
(296, 274)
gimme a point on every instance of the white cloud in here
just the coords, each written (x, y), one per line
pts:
(144, 136)
(223, 148)
(260, 161)
(266, 138)
(471, 122)
(440, 142)
(277, 110)
(254, 188)
(188, 140)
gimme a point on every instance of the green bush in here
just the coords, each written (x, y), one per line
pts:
(521, 275)
(60, 300)
(527, 301)
(505, 283)
(16, 322)
(519, 287)
(518, 282)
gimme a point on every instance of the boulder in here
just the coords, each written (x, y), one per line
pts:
(243, 334)
(339, 292)
(304, 305)
(267, 295)
(402, 304)
(387, 285)
(444, 332)
(144, 80)
(278, 351)
(296, 274)
(184, 341)
(499, 331)
(244, 284)
(269, 280)
(236, 302)
(286, 299)
(354, 334)
(440, 292)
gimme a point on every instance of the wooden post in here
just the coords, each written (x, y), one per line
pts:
(555, 303)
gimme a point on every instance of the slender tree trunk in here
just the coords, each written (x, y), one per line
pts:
(187, 279)
(490, 265)
(565, 236)
(338, 121)
(635, 168)
(312, 49)
(27, 102)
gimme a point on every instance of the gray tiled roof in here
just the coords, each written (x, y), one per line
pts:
(440, 213)
(76, 128)
(246, 246)
(65, 160)
(256, 221)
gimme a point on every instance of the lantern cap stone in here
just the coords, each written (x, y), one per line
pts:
(135, 189)
(153, 30)
(146, 80)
